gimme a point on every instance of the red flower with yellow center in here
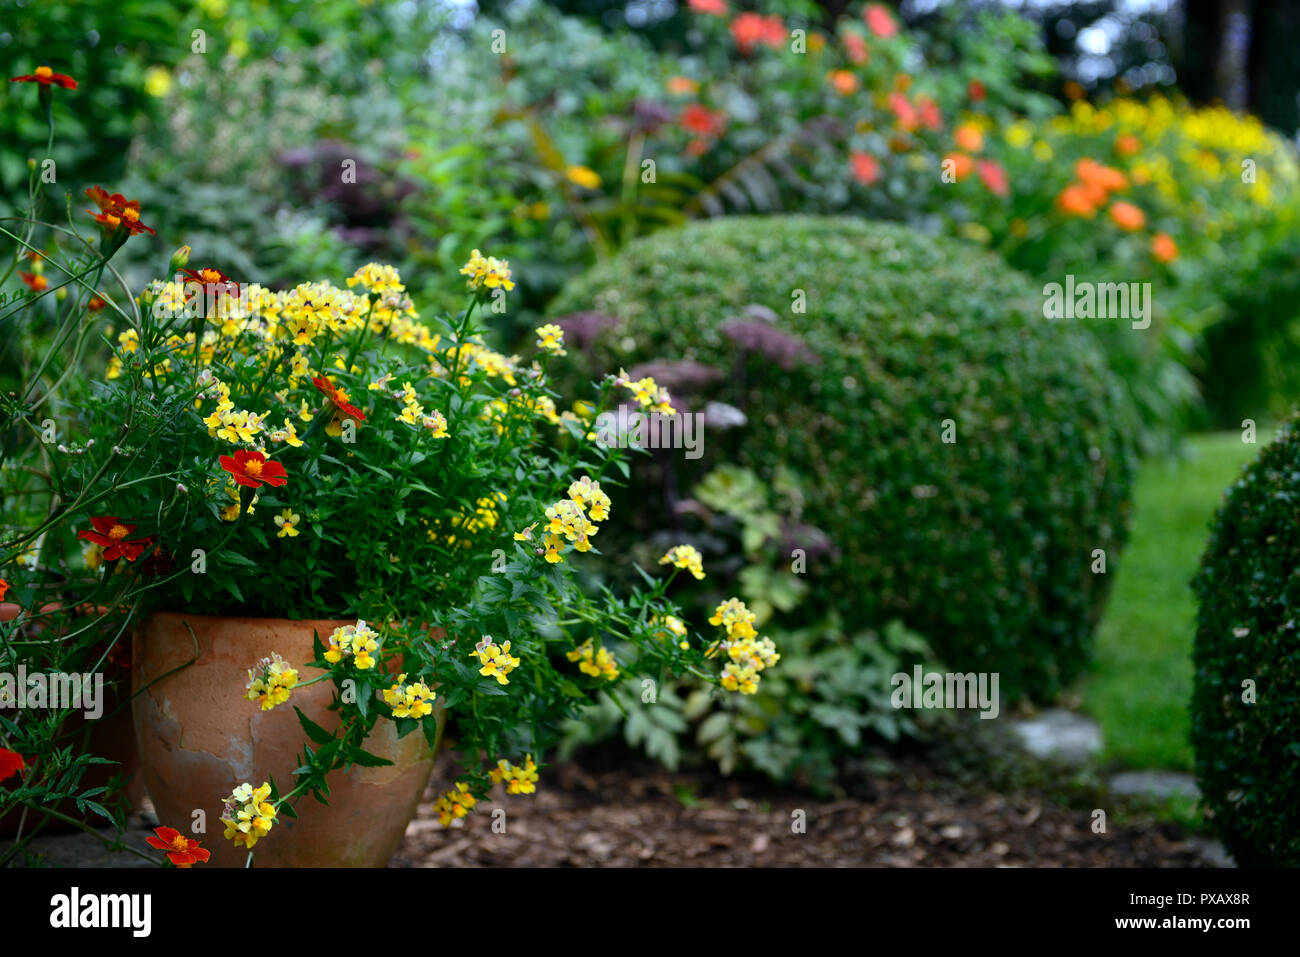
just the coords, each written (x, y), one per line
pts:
(112, 535)
(116, 211)
(47, 77)
(253, 469)
(11, 762)
(338, 398)
(181, 850)
(35, 282)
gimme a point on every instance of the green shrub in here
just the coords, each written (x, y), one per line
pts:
(1247, 736)
(985, 544)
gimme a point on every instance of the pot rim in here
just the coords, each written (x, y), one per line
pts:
(184, 615)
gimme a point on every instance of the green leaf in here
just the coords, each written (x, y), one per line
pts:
(314, 731)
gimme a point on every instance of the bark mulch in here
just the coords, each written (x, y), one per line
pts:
(637, 815)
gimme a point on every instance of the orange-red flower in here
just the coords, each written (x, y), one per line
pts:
(752, 29)
(879, 20)
(1077, 200)
(968, 137)
(4, 588)
(47, 77)
(701, 120)
(34, 281)
(1164, 248)
(112, 534)
(930, 115)
(682, 85)
(1103, 177)
(844, 81)
(1127, 216)
(253, 469)
(339, 398)
(993, 176)
(903, 111)
(1126, 144)
(717, 8)
(866, 168)
(116, 211)
(855, 47)
(95, 304)
(11, 762)
(977, 91)
(181, 850)
(962, 165)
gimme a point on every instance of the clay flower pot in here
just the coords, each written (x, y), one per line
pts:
(199, 739)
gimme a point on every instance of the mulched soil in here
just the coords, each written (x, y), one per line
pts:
(637, 815)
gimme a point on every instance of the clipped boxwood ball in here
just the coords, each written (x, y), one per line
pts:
(968, 458)
(1246, 695)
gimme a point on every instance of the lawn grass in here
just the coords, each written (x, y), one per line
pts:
(1141, 684)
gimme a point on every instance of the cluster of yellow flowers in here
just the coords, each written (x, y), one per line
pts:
(487, 272)
(674, 627)
(568, 520)
(413, 412)
(455, 804)
(496, 660)
(358, 642)
(374, 278)
(519, 780)
(410, 700)
(648, 393)
(685, 556)
(271, 681)
(248, 816)
(749, 654)
(484, 518)
(598, 663)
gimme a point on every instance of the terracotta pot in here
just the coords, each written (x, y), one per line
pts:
(199, 739)
(112, 737)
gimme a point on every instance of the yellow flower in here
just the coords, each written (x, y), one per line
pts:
(550, 339)
(583, 176)
(357, 641)
(410, 701)
(288, 522)
(271, 682)
(598, 663)
(436, 424)
(685, 556)
(495, 659)
(735, 617)
(248, 815)
(455, 804)
(519, 780)
(744, 680)
(487, 272)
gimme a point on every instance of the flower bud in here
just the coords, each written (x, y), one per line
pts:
(180, 259)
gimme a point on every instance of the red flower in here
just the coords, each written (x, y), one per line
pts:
(210, 276)
(181, 850)
(11, 762)
(904, 112)
(95, 304)
(993, 176)
(4, 588)
(717, 8)
(751, 29)
(976, 91)
(879, 20)
(931, 117)
(111, 533)
(701, 120)
(116, 211)
(866, 169)
(855, 47)
(339, 398)
(33, 281)
(47, 77)
(254, 468)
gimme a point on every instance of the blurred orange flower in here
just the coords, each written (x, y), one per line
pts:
(969, 137)
(879, 20)
(866, 168)
(1127, 216)
(1164, 248)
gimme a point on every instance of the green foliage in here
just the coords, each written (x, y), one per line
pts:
(1245, 714)
(984, 544)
